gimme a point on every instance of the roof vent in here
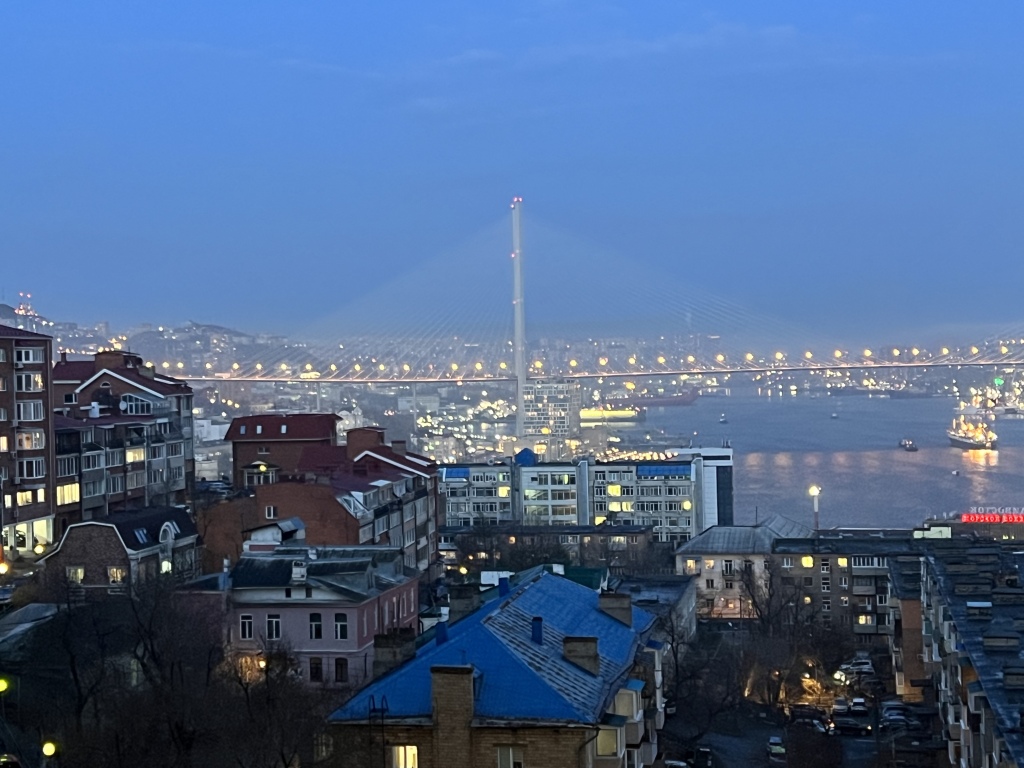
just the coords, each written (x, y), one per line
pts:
(537, 630)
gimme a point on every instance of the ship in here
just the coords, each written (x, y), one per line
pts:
(605, 414)
(971, 434)
(686, 397)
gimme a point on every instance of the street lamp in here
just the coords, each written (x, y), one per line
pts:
(815, 491)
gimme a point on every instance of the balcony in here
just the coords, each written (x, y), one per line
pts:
(635, 731)
(865, 590)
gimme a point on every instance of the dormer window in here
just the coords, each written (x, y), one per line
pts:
(284, 429)
(259, 429)
(241, 430)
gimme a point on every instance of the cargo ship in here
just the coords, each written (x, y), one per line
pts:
(971, 434)
(607, 414)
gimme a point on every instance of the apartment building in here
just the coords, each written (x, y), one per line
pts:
(679, 497)
(546, 673)
(324, 605)
(266, 449)
(551, 408)
(26, 441)
(132, 415)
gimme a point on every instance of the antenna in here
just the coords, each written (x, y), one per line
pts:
(518, 306)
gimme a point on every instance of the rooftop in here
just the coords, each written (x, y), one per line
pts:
(744, 539)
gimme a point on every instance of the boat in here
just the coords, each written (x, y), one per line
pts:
(910, 446)
(722, 419)
(686, 397)
(971, 434)
(607, 414)
(834, 415)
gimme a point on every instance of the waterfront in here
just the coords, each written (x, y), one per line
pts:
(783, 445)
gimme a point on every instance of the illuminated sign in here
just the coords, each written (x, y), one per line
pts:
(993, 515)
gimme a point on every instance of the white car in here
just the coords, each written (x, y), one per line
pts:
(776, 749)
(840, 707)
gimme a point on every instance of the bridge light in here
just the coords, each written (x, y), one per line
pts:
(895, 352)
(808, 354)
(630, 386)
(779, 355)
(1004, 349)
(691, 359)
(974, 350)
(209, 366)
(503, 366)
(479, 366)
(867, 353)
(632, 360)
(455, 366)
(165, 364)
(259, 366)
(405, 367)
(720, 357)
(180, 366)
(382, 367)
(573, 363)
(334, 367)
(602, 361)
(837, 354)
(538, 364)
(284, 367)
(945, 350)
(661, 359)
(234, 366)
(749, 356)
(357, 367)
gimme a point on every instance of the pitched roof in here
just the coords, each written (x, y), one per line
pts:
(283, 426)
(744, 539)
(10, 332)
(73, 370)
(520, 679)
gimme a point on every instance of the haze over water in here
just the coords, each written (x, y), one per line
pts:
(783, 445)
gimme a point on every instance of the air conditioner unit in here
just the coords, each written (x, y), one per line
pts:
(19, 366)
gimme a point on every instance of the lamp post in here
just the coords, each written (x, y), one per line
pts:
(815, 491)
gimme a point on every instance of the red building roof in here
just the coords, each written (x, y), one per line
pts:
(10, 332)
(284, 427)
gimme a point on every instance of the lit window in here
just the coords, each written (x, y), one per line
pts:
(807, 561)
(709, 564)
(405, 757)
(843, 562)
(116, 575)
(807, 599)
(75, 574)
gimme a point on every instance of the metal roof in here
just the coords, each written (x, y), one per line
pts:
(744, 539)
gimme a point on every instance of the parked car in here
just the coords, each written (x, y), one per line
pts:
(858, 666)
(840, 706)
(901, 721)
(847, 725)
(776, 749)
(814, 725)
(858, 706)
(807, 712)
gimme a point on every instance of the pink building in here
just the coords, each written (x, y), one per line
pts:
(323, 605)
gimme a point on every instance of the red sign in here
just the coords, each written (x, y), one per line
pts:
(993, 517)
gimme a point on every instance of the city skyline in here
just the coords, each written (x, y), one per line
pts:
(841, 169)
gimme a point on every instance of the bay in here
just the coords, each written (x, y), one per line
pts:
(784, 444)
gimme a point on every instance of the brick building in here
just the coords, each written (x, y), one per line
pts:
(548, 673)
(266, 449)
(98, 558)
(140, 422)
(366, 491)
(26, 440)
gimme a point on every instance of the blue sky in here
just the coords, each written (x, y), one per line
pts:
(853, 166)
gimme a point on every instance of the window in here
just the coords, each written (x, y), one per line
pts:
(844, 582)
(273, 626)
(71, 398)
(30, 439)
(133, 455)
(245, 626)
(787, 562)
(807, 561)
(262, 450)
(709, 583)
(28, 382)
(608, 742)
(341, 626)
(115, 484)
(68, 494)
(510, 757)
(728, 585)
(156, 452)
(405, 757)
(175, 449)
(808, 581)
(136, 406)
(92, 461)
(28, 354)
(826, 584)
(826, 566)
(75, 574)
(727, 567)
(316, 626)
(29, 410)
(116, 574)
(709, 564)
(32, 469)
(271, 512)
(340, 670)
(842, 562)
(844, 601)
(826, 604)
(316, 669)
(67, 466)
(865, 619)
(115, 457)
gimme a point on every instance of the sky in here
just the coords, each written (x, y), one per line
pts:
(843, 167)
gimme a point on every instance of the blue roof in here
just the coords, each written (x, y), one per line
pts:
(518, 678)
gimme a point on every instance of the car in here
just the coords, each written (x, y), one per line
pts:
(9, 760)
(900, 721)
(840, 706)
(814, 725)
(858, 666)
(847, 725)
(806, 712)
(858, 706)
(776, 748)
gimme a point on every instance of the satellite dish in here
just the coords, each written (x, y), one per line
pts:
(123, 405)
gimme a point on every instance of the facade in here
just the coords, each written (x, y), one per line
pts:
(26, 440)
(365, 492)
(547, 673)
(140, 422)
(551, 408)
(325, 605)
(100, 558)
(679, 497)
(973, 607)
(841, 577)
(266, 448)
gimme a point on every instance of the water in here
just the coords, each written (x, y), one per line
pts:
(783, 445)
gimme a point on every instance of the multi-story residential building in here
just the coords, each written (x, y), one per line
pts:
(840, 577)
(551, 409)
(973, 606)
(99, 558)
(324, 605)
(266, 448)
(139, 417)
(546, 673)
(26, 440)
(679, 497)
(366, 491)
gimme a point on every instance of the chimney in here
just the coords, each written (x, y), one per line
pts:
(503, 587)
(63, 356)
(393, 649)
(582, 651)
(398, 446)
(463, 599)
(94, 410)
(618, 606)
(441, 632)
(537, 630)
